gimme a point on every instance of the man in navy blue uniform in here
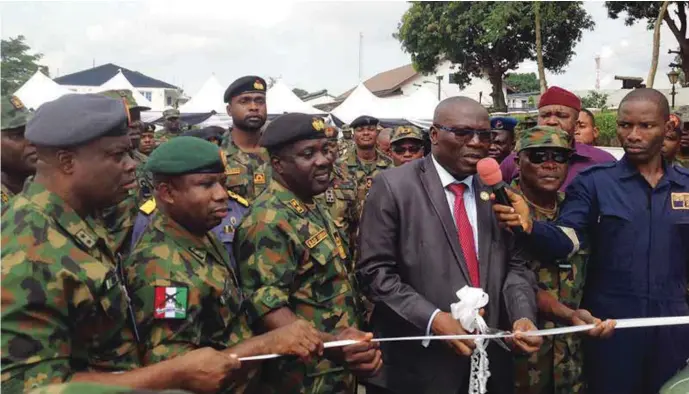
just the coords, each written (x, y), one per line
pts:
(634, 216)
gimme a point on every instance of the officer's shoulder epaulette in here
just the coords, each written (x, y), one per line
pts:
(238, 198)
(148, 207)
(599, 166)
(682, 170)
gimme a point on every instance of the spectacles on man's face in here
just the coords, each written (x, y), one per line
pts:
(400, 150)
(484, 136)
(538, 156)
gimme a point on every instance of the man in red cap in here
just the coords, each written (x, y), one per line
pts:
(560, 108)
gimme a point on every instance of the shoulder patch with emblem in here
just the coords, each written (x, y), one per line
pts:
(238, 198)
(148, 207)
(259, 178)
(170, 302)
(680, 200)
(316, 239)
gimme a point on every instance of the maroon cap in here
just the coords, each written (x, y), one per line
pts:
(558, 96)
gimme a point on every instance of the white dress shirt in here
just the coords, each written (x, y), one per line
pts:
(446, 179)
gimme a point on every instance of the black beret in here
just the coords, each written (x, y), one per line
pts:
(364, 120)
(206, 133)
(248, 84)
(76, 119)
(186, 155)
(291, 128)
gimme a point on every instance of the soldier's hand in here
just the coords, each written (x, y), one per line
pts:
(298, 338)
(364, 359)
(445, 324)
(513, 216)
(527, 344)
(603, 329)
(206, 370)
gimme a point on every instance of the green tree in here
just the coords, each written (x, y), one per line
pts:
(595, 100)
(487, 39)
(17, 64)
(523, 82)
(641, 11)
(300, 92)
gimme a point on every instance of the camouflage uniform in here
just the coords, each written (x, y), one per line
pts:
(363, 173)
(64, 308)
(144, 179)
(14, 115)
(248, 173)
(168, 261)
(556, 368)
(93, 388)
(291, 255)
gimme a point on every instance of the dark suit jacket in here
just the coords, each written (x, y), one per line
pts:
(411, 263)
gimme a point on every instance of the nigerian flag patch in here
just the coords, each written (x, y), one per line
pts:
(170, 303)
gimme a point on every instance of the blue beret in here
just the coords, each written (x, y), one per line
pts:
(248, 84)
(503, 123)
(75, 119)
(186, 155)
(364, 120)
(293, 127)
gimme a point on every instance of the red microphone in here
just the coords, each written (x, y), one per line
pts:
(489, 171)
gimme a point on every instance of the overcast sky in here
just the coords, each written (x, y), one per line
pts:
(310, 45)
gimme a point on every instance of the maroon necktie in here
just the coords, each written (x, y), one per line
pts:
(466, 233)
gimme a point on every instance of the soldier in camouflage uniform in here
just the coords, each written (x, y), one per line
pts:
(364, 162)
(682, 157)
(172, 127)
(406, 144)
(184, 288)
(294, 265)
(345, 144)
(671, 143)
(543, 153)
(64, 306)
(92, 388)
(18, 156)
(248, 168)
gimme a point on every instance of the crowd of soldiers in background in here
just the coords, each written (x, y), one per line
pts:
(97, 281)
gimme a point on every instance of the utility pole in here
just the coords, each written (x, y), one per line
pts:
(361, 43)
(597, 72)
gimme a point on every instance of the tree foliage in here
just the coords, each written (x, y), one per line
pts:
(676, 19)
(523, 82)
(595, 100)
(300, 92)
(17, 64)
(487, 39)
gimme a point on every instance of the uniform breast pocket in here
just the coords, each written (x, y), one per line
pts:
(616, 236)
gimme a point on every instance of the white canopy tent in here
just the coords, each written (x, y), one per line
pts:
(280, 99)
(120, 82)
(208, 98)
(362, 102)
(40, 89)
(420, 105)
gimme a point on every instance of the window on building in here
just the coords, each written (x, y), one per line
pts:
(146, 94)
(524, 104)
(169, 101)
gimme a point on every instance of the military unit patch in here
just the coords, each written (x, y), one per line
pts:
(316, 239)
(170, 302)
(680, 200)
(259, 178)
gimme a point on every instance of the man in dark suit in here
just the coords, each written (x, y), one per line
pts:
(428, 230)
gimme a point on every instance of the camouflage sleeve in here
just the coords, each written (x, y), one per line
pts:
(36, 329)
(264, 255)
(154, 267)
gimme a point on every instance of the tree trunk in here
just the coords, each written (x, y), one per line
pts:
(539, 47)
(656, 45)
(495, 78)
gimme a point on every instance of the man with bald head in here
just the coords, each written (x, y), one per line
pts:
(427, 231)
(633, 215)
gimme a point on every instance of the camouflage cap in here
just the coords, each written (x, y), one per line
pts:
(127, 96)
(543, 137)
(406, 132)
(186, 155)
(171, 113)
(14, 113)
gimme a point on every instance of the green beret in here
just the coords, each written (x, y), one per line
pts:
(76, 119)
(127, 97)
(186, 155)
(248, 84)
(543, 137)
(14, 113)
(291, 128)
(406, 132)
(171, 113)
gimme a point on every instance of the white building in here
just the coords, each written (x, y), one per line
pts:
(405, 81)
(160, 94)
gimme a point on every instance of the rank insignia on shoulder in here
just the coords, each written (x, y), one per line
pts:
(233, 171)
(238, 198)
(148, 207)
(170, 302)
(297, 206)
(680, 200)
(316, 239)
(329, 196)
(85, 238)
(200, 254)
(5, 197)
(259, 178)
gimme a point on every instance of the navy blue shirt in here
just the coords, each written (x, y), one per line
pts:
(638, 237)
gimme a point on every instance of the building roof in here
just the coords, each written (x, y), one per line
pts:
(99, 75)
(315, 95)
(386, 83)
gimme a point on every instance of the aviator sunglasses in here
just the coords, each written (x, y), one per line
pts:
(541, 156)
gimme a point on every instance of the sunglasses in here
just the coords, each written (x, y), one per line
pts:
(483, 135)
(400, 150)
(541, 156)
